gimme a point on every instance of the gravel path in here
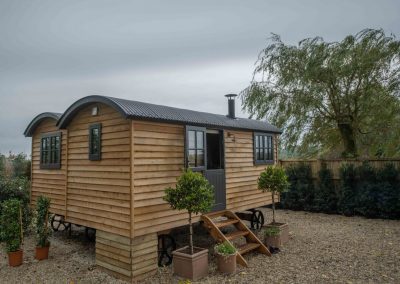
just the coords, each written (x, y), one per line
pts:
(323, 249)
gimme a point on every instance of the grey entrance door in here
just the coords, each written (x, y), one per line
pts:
(205, 153)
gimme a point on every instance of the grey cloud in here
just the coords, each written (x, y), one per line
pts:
(180, 53)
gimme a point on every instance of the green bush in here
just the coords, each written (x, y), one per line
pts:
(325, 196)
(363, 190)
(193, 193)
(10, 220)
(348, 190)
(272, 231)
(42, 219)
(225, 249)
(17, 188)
(301, 189)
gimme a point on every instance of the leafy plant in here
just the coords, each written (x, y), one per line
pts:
(272, 232)
(348, 190)
(330, 97)
(193, 193)
(225, 249)
(325, 198)
(273, 179)
(42, 218)
(301, 189)
(11, 224)
(17, 188)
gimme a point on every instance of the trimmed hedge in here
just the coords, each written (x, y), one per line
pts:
(363, 190)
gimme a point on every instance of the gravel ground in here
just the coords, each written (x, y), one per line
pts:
(322, 249)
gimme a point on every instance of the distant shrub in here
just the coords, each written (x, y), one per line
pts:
(326, 197)
(301, 190)
(17, 188)
(363, 190)
(348, 190)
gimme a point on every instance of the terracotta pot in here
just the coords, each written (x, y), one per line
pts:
(273, 241)
(283, 237)
(226, 263)
(42, 253)
(15, 258)
(190, 266)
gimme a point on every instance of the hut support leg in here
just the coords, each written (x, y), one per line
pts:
(129, 259)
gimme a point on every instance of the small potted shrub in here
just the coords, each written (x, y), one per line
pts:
(42, 230)
(12, 234)
(194, 194)
(226, 257)
(272, 238)
(274, 179)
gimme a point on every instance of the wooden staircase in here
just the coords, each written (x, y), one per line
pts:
(215, 221)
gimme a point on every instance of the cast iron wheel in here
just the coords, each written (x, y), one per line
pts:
(58, 224)
(166, 245)
(257, 220)
(90, 234)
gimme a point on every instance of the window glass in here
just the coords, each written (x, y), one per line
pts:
(195, 148)
(95, 142)
(50, 151)
(192, 141)
(263, 148)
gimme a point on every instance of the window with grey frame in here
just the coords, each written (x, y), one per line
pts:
(263, 149)
(95, 142)
(50, 151)
(195, 148)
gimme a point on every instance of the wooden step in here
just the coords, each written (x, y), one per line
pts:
(236, 234)
(248, 247)
(225, 223)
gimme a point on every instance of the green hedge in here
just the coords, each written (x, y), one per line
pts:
(16, 188)
(363, 190)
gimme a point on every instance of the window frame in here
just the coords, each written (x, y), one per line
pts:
(263, 161)
(189, 128)
(49, 165)
(94, 156)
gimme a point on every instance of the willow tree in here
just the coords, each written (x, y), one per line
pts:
(325, 94)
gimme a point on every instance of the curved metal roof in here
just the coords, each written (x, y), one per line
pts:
(38, 119)
(146, 111)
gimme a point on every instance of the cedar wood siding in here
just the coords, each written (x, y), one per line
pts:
(241, 174)
(48, 182)
(159, 159)
(99, 192)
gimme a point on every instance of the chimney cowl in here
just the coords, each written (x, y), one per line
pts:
(231, 105)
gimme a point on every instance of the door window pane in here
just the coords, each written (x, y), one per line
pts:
(200, 140)
(192, 141)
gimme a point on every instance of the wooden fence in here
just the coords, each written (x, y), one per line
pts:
(335, 164)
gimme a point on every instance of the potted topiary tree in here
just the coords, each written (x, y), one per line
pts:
(12, 234)
(42, 230)
(274, 179)
(194, 194)
(226, 257)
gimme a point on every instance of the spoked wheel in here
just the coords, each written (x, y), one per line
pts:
(58, 224)
(257, 220)
(166, 245)
(90, 234)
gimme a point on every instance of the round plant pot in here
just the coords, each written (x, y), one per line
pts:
(15, 258)
(226, 263)
(42, 253)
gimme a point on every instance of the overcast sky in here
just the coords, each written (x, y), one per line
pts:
(179, 53)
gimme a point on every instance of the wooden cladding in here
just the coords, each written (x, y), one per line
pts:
(241, 174)
(127, 258)
(99, 192)
(158, 161)
(48, 182)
